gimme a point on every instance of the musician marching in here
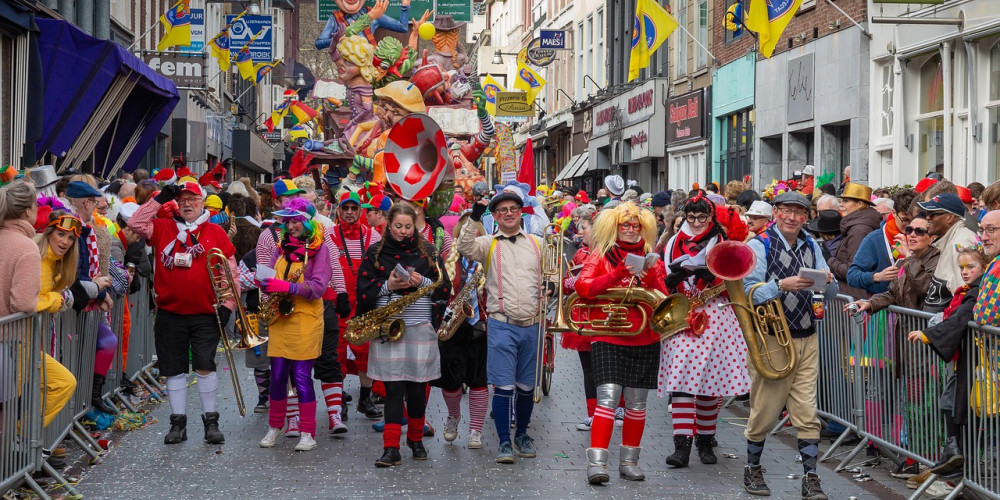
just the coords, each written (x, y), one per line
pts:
(513, 261)
(782, 250)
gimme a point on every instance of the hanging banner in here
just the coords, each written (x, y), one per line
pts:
(553, 39)
(504, 153)
(417, 7)
(459, 10)
(261, 50)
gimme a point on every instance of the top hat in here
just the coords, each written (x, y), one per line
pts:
(43, 176)
(860, 192)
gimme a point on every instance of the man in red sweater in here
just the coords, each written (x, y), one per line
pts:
(186, 317)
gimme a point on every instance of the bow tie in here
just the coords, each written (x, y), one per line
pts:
(512, 238)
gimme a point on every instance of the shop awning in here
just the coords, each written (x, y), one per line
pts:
(100, 100)
(574, 167)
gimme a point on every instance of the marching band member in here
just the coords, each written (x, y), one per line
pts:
(622, 365)
(186, 325)
(513, 261)
(574, 341)
(708, 360)
(296, 339)
(406, 365)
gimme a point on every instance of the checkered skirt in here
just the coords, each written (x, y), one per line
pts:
(625, 365)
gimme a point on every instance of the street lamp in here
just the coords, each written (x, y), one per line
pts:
(498, 56)
(300, 80)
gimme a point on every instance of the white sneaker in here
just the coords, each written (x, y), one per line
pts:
(292, 429)
(306, 442)
(939, 489)
(337, 425)
(451, 429)
(619, 417)
(270, 437)
(585, 424)
(475, 440)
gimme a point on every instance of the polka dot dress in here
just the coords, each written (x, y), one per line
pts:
(713, 364)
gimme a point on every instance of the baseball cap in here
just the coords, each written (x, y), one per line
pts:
(193, 188)
(964, 194)
(285, 187)
(924, 183)
(378, 202)
(350, 197)
(944, 202)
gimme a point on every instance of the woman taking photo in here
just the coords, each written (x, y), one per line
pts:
(399, 265)
(302, 271)
(622, 365)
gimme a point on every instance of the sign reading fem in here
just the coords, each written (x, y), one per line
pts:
(417, 7)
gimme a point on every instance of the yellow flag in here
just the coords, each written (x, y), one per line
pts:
(490, 88)
(769, 21)
(528, 81)
(650, 28)
(176, 26)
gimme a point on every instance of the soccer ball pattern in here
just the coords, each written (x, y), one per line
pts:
(416, 157)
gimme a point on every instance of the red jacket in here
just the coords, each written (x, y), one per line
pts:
(597, 276)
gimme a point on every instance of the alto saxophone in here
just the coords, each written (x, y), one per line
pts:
(278, 304)
(381, 322)
(461, 309)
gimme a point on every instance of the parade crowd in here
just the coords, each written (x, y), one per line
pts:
(358, 282)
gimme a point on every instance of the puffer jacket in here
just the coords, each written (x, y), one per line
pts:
(854, 226)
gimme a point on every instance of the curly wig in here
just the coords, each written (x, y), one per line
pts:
(605, 231)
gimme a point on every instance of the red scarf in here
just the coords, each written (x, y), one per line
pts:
(685, 244)
(616, 254)
(351, 231)
(956, 300)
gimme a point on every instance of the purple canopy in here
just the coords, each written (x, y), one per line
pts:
(78, 71)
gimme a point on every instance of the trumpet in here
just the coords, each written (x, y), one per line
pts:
(225, 289)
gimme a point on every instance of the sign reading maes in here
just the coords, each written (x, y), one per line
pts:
(257, 28)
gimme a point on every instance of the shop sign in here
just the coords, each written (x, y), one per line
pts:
(686, 117)
(197, 33)
(632, 107)
(244, 30)
(552, 39)
(324, 8)
(638, 139)
(186, 71)
(514, 104)
(800, 88)
(538, 55)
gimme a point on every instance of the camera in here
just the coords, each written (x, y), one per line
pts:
(182, 260)
(853, 309)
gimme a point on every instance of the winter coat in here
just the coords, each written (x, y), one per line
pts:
(854, 226)
(910, 287)
(20, 268)
(872, 257)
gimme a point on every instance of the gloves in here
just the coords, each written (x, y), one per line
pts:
(477, 212)
(277, 286)
(224, 314)
(167, 193)
(705, 275)
(479, 97)
(343, 306)
(676, 277)
(67, 300)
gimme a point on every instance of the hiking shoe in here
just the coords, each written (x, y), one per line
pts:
(505, 454)
(390, 457)
(212, 433)
(585, 424)
(475, 440)
(336, 424)
(811, 489)
(368, 409)
(451, 429)
(292, 429)
(178, 429)
(525, 446)
(262, 404)
(753, 481)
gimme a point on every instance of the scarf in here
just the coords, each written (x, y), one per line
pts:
(687, 244)
(956, 300)
(184, 236)
(93, 253)
(351, 231)
(891, 230)
(616, 255)
(296, 250)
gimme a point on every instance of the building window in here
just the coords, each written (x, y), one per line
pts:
(993, 105)
(737, 155)
(701, 57)
(681, 41)
(598, 73)
(581, 93)
(887, 95)
(930, 144)
(728, 19)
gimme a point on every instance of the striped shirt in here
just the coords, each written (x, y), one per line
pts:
(417, 312)
(354, 250)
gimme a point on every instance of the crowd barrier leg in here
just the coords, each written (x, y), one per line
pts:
(780, 425)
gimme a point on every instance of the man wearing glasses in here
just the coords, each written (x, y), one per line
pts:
(513, 260)
(987, 310)
(946, 222)
(782, 250)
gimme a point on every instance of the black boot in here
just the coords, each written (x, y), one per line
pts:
(682, 452)
(96, 401)
(390, 457)
(705, 452)
(178, 429)
(952, 459)
(212, 433)
(419, 452)
(368, 408)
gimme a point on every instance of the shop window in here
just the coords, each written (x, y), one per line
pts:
(888, 85)
(930, 141)
(993, 106)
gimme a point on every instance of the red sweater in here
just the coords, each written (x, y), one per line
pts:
(597, 276)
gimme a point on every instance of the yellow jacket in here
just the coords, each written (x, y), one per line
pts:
(48, 300)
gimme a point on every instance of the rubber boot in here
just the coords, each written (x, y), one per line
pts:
(682, 452)
(178, 429)
(703, 442)
(96, 401)
(597, 465)
(628, 464)
(212, 433)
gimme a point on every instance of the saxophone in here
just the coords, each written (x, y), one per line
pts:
(278, 304)
(460, 309)
(381, 322)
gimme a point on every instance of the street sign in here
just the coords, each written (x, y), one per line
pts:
(261, 50)
(459, 10)
(272, 137)
(939, 2)
(417, 8)
(539, 56)
(197, 32)
(553, 39)
(185, 70)
(514, 104)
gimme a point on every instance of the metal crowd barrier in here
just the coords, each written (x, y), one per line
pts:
(20, 400)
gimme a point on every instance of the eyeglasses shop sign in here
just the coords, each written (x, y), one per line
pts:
(686, 117)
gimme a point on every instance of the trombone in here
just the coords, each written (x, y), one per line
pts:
(225, 289)
(551, 272)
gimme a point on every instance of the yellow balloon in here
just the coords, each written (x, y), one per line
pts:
(426, 31)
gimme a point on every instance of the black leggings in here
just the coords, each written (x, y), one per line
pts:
(588, 375)
(416, 400)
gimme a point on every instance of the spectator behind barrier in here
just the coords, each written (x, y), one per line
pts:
(946, 214)
(876, 262)
(859, 219)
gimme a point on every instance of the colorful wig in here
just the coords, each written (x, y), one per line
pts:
(605, 231)
(312, 232)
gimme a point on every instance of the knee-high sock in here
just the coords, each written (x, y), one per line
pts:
(754, 450)
(809, 449)
(478, 405)
(307, 418)
(523, 405)
(453, 400)
(707, 413)
(208, 385)
(262, 378)
(501, 412)
(333, 395)
(683, 415)
(177, 394)
(390, 436)
(601, 427)
(635, 422)
(591, 404)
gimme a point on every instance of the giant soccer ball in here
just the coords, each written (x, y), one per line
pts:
(416, 157)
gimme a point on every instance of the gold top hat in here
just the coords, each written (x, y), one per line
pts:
(858, 192)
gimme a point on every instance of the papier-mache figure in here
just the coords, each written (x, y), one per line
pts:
(348, 11)
(354, 60)
(394, 101)
(465, 154)
(449, 53)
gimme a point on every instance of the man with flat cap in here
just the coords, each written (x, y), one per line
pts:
(513, 263)
(782, 250)
(946, 221)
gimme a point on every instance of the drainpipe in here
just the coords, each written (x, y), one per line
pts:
(66, 10)
(946, 81)
(85, 15)
(973, 137)
(102, 19)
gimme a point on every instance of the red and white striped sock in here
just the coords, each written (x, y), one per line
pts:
(453, 400)
(601, 427)
(333, 394)
(635, 422)
(683, 415)
(293, 406)
(707, 410)
(479, 403)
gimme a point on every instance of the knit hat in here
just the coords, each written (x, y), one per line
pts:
(661, 199)
(213, 202)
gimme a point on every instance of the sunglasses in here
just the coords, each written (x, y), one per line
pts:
(350, 208)
(919, 231)
(67, 223)
(634, 226)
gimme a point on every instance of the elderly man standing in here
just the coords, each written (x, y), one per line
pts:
(186, 323)
(987, 310)
(946, 221)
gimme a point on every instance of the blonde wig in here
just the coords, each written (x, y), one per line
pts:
(605, 232)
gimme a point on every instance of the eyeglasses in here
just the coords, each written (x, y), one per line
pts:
(701, 219)
(188, 201)
(508, 210)
(350, 208)
(630, 226)
(792, 211)
(919, 231)
(67, 223)
(990, 230)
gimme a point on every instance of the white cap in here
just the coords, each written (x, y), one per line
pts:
(761, 208)
(127, 209)
(615, 184)
(809, 170)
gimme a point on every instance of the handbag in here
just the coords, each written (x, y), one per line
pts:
(985, 399)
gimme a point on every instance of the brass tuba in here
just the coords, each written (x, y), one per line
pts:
(610, 318)
(382, 322)
(732, 261)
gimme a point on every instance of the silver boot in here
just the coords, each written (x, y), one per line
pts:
(628, 464)
(597, 465)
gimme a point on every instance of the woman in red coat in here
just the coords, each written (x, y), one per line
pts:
(622, 365)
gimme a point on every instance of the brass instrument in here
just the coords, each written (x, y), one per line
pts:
(610, 319)
(279, 304)
(461, 309)
(381, 322)
(225, 289)
(551, 272)
(732, 261)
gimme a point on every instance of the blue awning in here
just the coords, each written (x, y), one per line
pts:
(99, 99)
